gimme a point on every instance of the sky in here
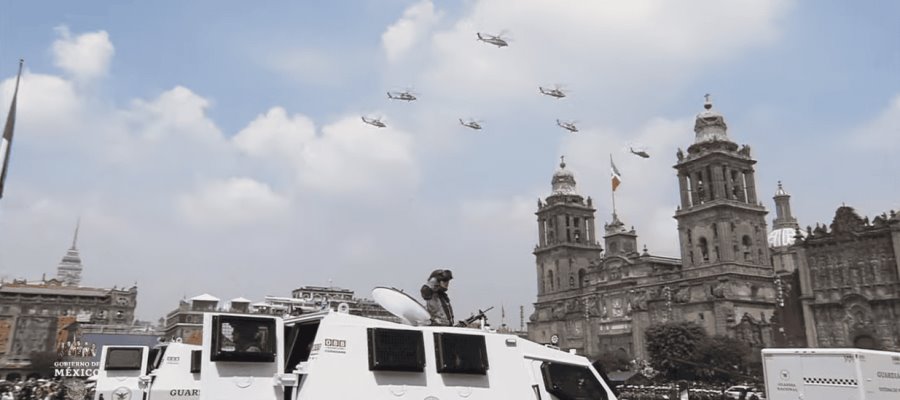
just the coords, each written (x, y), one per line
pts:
(217, 147)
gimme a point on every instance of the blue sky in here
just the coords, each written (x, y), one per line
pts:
(216, 146)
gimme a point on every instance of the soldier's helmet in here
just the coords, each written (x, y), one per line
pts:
(441, 275)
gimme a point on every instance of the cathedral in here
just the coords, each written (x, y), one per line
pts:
(600, 303)
(834, 285)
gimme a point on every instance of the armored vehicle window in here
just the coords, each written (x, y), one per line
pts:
(124, 359)
(196, 359)
(155, 358)
(299, 343)
(571, 382)
(463, 354)
(243, 339)
(396, 350)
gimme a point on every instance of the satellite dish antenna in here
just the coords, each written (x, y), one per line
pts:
(343, 308)
(401, 305)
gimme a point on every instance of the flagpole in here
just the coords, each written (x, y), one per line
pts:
(6, 139)
(613, 189)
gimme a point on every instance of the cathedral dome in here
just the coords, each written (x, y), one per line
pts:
(563, 181)
(784, 237)
(710, 125)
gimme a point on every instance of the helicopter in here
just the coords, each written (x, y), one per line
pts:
(374, 122)
(471, 123)
(639, 152)
(555, 92)
(497, 40)
(404, 95)
(567, 125)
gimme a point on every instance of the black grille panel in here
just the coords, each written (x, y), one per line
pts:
(461, 354)
(396, 350)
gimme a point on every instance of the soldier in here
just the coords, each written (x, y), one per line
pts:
(436, 300)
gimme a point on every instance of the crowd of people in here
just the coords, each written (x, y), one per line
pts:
(694, 391)
(45, 389)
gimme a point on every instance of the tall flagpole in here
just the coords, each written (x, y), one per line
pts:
(6, 139)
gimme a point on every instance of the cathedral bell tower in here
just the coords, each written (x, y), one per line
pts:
(567, 241)
(721, 223)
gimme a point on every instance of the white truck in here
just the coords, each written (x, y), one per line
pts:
(335, 355)
(844, 374)
(168, 371)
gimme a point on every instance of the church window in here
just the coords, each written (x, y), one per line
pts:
(550, 280)
(715, 231)
(689, 189)
(571, 281)
(712, 192)
(577, 222)
(748, 244)
(613, 247)
(582, 278)
(716, 253)
(704, 249)
(577, 236)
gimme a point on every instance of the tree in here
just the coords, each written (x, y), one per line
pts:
(615, 361)
(671, 343)
(725, 359)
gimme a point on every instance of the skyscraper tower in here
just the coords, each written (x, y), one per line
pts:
(69, 269)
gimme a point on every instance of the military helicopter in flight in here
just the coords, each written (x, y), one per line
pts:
(497, 40)
(374, 121)
(471, 123)
(640, 152)
(567, 125)
(405, 95)
(555, 92)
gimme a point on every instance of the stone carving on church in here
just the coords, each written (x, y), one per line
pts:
(617, 309)
(721, 289)
(751, 331)
(682, 294)
(637, 300)
(559, 310)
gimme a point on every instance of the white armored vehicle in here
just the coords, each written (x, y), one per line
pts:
(851, 374)
(335, 355)
(168, 371)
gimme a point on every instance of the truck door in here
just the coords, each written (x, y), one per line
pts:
(242, 356)
(554, 380)
(172, 376)
(120, 370)
(783, 375)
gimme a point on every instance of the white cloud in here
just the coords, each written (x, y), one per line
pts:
(47, 105)
(416, 22)
(275, 134)
(614, 48)
(85, 57)
(232, 201)
(347, 156)
(883, 132)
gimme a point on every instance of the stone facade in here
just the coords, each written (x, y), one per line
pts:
(849, 281)
(601, 303)
(36, 316)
